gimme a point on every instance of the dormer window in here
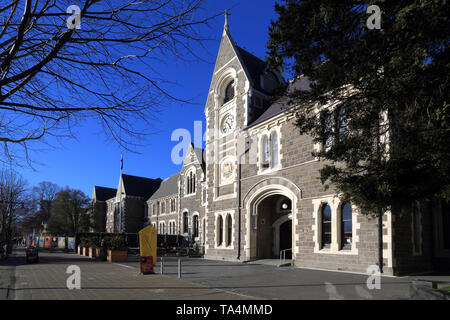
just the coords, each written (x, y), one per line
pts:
(229, 92)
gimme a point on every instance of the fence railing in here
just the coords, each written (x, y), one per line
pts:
(283, 255)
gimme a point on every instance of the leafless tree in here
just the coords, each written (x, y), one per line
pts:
(59, 66)
(13, 190)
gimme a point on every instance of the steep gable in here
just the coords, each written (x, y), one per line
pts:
(195, 156)
(139, 186)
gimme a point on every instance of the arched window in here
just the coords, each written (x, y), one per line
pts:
(342, 123)
(274, 149)
(185, 223)
(327, 127)
(219, 231)
(195, 226)
(190, 183)
(229, 230)
(346, 226)
(265, 152)
(326, 226)
(229, 92)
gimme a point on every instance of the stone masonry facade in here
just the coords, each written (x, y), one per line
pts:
(254, 191)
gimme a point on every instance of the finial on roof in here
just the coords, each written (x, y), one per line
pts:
(226, 14)
(121, 163)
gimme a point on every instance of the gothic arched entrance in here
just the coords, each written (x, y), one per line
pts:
(273, 226)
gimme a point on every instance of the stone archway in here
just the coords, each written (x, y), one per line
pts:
(264, 220)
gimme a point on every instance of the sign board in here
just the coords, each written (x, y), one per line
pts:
(71, 243)
(61, 242)
(54, 242)
(148, 244)
(41, 242)
(47, 242)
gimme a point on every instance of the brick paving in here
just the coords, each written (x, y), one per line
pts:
(102, 280)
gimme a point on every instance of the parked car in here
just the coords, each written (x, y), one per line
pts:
(32, 254)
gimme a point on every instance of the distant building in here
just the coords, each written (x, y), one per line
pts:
(97, 211)
(126, 211)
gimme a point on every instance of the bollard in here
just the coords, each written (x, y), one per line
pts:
(162, 265)
(179, 268)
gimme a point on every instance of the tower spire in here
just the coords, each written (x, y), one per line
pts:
(226, 14)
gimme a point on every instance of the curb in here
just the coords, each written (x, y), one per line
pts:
(423, 290)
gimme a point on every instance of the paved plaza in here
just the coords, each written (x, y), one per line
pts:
(201, 280)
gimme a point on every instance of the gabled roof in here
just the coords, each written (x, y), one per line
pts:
(254, 65)
(104, 193)
(167, 187)
(140, 186)
(282, 104)
(200, 153)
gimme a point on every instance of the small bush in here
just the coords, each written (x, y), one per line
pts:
(113, 243)
(84, 242)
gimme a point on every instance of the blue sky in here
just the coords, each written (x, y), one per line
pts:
(91, 160)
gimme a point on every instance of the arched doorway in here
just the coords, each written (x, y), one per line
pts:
(273, 226)
(275, 198)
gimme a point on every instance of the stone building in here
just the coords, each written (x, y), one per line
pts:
(126, 211)
(254, 192)
(98, 207)
(178, 206)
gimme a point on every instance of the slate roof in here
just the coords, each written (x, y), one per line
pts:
(104, 193)
(281, 105)
(254, 65)
(167, 187)
(140, 186)
(200, 153)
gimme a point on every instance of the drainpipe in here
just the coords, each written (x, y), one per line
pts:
(240, 200)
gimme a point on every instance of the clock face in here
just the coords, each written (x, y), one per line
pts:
(227, 123)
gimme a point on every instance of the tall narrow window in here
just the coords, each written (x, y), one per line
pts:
(185, 222)
(229, 230)
(154, 209)
(327, 128)
(346, 226)
(326, 226)
(219, 231)
(163, 207)
(195, 226)
(229, 92)
(265, 152)
(274, 149)
(342, 124)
